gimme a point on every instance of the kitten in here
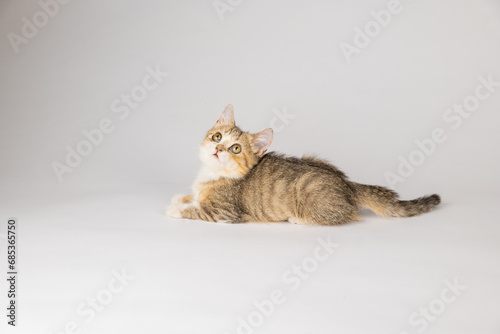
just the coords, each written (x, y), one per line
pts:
(239, 183)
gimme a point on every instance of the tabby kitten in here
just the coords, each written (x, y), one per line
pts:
(239, 183)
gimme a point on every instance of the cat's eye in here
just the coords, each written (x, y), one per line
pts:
(236, 149)
(217, 137)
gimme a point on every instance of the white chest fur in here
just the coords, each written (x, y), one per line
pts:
(204, 175)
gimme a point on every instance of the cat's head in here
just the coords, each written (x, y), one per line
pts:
(231, 152)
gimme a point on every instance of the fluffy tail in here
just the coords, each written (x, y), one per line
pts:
(385, 202)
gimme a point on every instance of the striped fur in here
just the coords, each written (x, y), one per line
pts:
(258, 187)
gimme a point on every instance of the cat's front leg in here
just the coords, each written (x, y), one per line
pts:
(181, 207)
(203, 212)
(199, 212)
(178, 203)
(192, 211)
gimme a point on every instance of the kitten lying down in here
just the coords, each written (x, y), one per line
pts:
(239, 183)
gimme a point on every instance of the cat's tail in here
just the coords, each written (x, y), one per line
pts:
(385, 202)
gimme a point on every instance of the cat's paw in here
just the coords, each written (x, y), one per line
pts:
(180, 199)
(173, 211)
(177, 199)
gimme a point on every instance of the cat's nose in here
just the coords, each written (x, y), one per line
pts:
(219, 148)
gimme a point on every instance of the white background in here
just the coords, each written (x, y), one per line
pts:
(197, 277)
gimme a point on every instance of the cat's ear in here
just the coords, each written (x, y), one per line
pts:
(227, 116)
(261, 141)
